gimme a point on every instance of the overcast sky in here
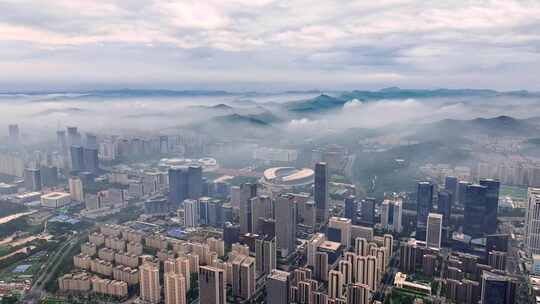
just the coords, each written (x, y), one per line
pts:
(269, 45)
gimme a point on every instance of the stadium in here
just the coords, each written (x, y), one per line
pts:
(287, 177)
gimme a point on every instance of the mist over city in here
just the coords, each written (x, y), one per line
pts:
(266, 151)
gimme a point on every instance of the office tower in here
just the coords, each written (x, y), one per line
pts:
(371, 272)
(368, 211)
(77, 158)
(320, 191)
(451, 186)
(358, 294)
(32, 179)
(351, 207)
(335, 284)
(462, 192)
(13, 138)
(90, 159)
(215, 213)
(175, 288)
(321, 266)
(532, 221)
(346, 269)
(261, 209)
(312, 246)
(497, 289)
(212, 286)
(434, 230)
(391, 214)
(361, 247)
(265, 254)
(150, 290)
(492, 204)
(91, 141)
(157, 206)
(49, 176)
(73, 136)
(76, 189)
(247, 192)
(444, 206)
(499, 242)
(277, 287)
(203, 210)
(178, 184)
(243, 277)
(424, 204)
(61, 141)
(285, 224)
(475, 210)
(194, 182)
(191, 213)
(231, 234)
(344, 227)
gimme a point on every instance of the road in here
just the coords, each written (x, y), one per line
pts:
(36, 292)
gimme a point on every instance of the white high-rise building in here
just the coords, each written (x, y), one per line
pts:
(191, 213)
(312, 246)
(76, 189)
(434, 230)
(335, 284)
(532, 221)
(344, 225)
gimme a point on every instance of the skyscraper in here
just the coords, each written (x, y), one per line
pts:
(175, 288)
(371, 273)
(265, 254)
(344, 227)
(320, 191)
(178, 186)
(346, 269)
(77, 158)
(492, 204)
(212, 286)
(444, 206)
(32, 179)
(76, 189)
(461, 192)
(368, 211)
(391, 214)
(13, 138)
(150, 289)
(285, 224)
(195, 182)
(434, 230)
(90, 159)
(277, 287)
(497, 289)
(191, 213)
(451, 186)
(424, 204)
(49, 176)
(475, 210)
(351, 207)
(247, 192)
(532, 221)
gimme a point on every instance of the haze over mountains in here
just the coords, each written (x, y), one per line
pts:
(308, 114)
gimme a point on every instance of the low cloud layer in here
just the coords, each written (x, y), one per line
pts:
(269, 44)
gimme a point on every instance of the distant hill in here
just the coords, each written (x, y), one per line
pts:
(325, 102)
(496, 126)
